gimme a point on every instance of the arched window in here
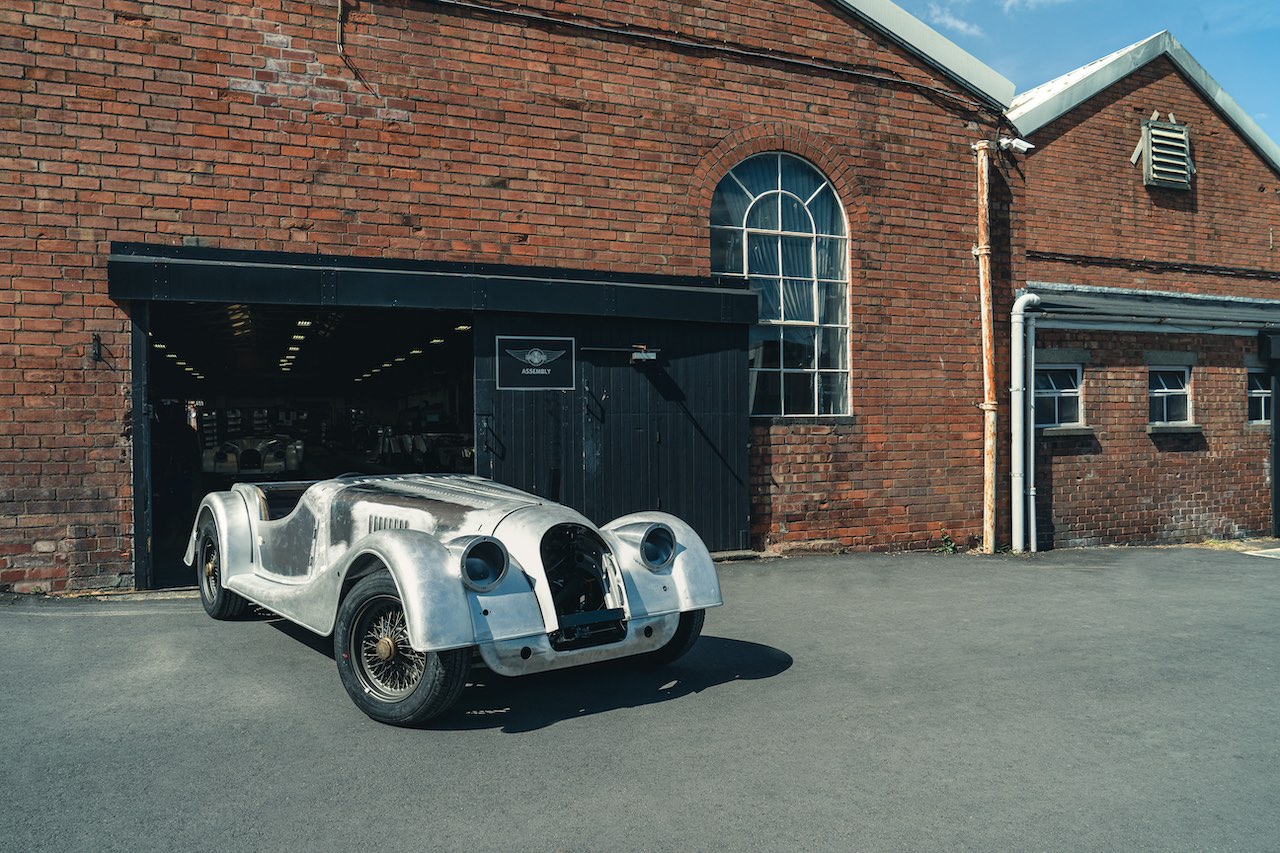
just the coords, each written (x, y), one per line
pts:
(776, 220)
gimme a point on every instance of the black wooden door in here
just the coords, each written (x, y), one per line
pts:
(668, 433)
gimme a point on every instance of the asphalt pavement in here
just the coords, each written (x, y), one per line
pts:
(1095, 699)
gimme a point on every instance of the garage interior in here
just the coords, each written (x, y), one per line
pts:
(259, 366)
(251, 393)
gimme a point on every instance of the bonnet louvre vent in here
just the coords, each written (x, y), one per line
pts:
(382, 522)
(1167, 150)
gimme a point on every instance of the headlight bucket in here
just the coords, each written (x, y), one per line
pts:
(484, 562)
(657, 546)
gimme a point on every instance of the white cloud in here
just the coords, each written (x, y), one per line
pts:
(1011, 6)
(943, 16)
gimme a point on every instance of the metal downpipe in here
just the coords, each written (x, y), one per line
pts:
(1022, 421)
(982, 251)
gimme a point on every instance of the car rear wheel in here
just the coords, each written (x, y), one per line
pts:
(386, 677)
(687, 633)
(218, 602)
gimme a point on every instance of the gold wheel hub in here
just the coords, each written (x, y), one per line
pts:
(210, 568)
(386, 648)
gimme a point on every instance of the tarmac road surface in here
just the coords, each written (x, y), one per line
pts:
(1096, 699)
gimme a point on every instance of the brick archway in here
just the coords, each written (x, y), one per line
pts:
(788, 139)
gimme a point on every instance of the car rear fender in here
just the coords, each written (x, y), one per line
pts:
(687, 582)
(235, 532)
(429, 579)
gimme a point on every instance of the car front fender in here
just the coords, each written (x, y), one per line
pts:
(688, 582)
(429, 578)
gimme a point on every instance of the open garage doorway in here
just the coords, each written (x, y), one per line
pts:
(250, 393)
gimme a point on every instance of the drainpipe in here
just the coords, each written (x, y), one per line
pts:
(1022, 421)
(983, 253)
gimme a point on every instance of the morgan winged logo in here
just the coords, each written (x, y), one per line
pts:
(536, 356)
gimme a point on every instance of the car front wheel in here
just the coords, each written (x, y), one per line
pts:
(386, 677)
(687, 633)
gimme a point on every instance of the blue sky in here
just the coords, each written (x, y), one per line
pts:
(1032, 41)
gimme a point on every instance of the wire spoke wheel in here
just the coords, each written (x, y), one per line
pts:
(219, 602)
(386, 664)
(382, 672)
(209, 567)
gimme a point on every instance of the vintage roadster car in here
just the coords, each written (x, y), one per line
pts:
(418, 576)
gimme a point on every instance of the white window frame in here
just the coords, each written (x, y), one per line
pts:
(1263, 394)
(822, 377)
(1166, 393)
(1077, 394)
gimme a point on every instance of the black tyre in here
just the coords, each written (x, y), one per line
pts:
(385, 676)
(218, 602)
(687, 633)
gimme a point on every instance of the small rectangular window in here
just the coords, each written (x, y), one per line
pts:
(1170, 396)
(1057, 396)
(1259, 397)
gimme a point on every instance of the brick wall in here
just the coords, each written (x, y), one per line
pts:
(1120, 485)
(454, 135)
(1087, 219)
(1085, 198)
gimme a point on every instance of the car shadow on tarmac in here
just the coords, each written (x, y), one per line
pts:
(533, 702)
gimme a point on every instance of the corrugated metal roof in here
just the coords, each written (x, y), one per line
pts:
(933, 48)
(1036, 107)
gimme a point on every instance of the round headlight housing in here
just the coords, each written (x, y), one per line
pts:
(484, 564)
(657, 546)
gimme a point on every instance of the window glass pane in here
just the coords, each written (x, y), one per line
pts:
(1259, 382)
(1255, 409)
(1173, 380)
(833, 398)
(797, 301)
(766, 392)
(1068, 410)
(764, 213)
(758, 174)
(794, 216)
(1063, 380)
(1046, 411)
(833, 349)
(765, 348)
(797, 393)
(799, 347)
(769, 290)
(800, 178)
(1043, 381)
(797, 257)
(1176, 407)
(726, 251)
(827, 216)
(729, 204)
(833, 307)
(762, 254)
(1155, 412)
(832, 259)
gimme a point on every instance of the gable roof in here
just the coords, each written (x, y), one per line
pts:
(934, 48)
(1036, 107)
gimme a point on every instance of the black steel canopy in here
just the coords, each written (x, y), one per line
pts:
(1079, 306)
(139, 271)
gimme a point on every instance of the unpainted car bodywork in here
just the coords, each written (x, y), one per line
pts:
(570, 594)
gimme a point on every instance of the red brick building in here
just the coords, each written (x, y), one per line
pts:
(1148, 230)
(188, 184)
(284, 239)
